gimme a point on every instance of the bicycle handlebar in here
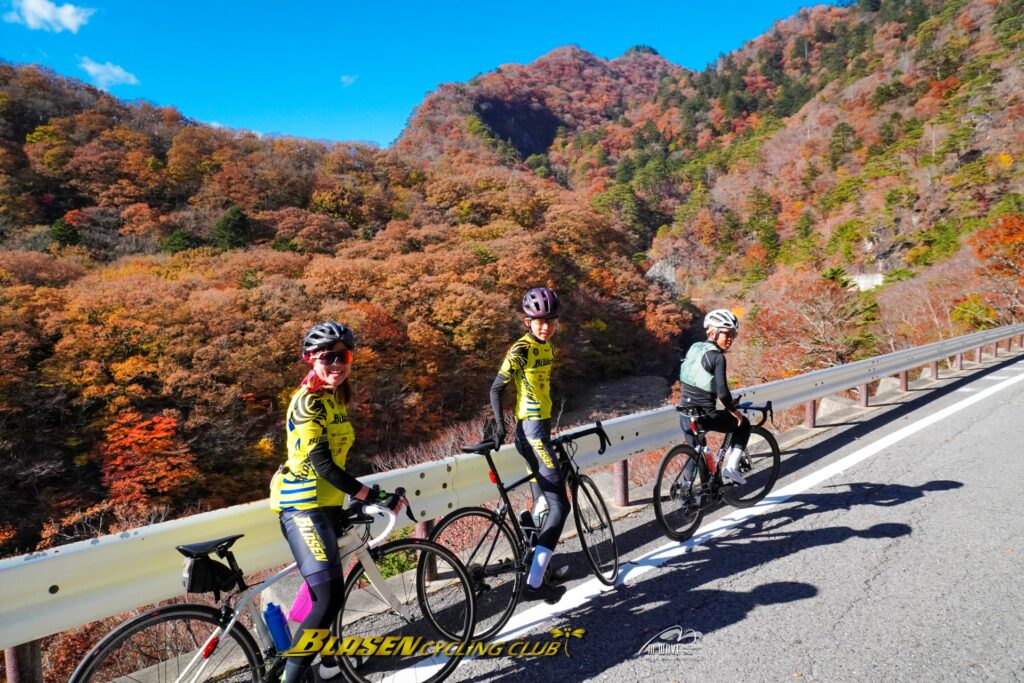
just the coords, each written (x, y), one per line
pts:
(597, 429)
(766, 411)
(384, 508)
(389, 527)
(485, 447)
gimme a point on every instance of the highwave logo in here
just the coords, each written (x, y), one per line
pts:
(673, 641)
(317, 640)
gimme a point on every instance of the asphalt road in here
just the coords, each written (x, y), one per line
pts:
(892, 550)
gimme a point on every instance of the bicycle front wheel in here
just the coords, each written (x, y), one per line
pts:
(594, 524)
(173, 643)
(759, 466)
(425, 601)
(485, 544)
(677, 493)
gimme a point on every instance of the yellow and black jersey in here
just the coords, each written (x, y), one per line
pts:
(317, 425)
(528, 365)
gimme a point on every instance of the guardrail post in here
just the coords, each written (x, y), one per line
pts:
(621, 483)
(935, 370)
(1020, 341)
(904, 381)
(977, 355)
(810, 414)
(995, 350)
(862, 395)
(24, 663)
(423, 530)
(959, 362)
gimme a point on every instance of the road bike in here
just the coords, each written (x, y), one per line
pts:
(409, 587)
(689, 479)
(497, 545)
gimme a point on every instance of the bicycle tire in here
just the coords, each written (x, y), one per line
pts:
(366, 614)
(678, 488)
(760, 466)
(484, 542)
(596, 533)
(128, 650)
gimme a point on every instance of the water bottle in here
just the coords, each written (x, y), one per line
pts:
(526, 521)
(277, 624)
(710, 459)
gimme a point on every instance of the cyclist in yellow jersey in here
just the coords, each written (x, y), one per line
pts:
(308, 491)
(527, 365)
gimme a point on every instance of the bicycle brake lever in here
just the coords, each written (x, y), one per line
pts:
(602, 437)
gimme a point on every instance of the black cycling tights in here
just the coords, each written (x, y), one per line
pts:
(533, 441)
(718, 421)
(327, 601)
(313, 537)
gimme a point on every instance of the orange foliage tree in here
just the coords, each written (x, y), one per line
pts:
(1000, 248)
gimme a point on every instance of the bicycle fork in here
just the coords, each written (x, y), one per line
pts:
(380, 586)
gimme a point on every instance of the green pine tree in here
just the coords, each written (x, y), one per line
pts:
(63, 233)
(232, 230)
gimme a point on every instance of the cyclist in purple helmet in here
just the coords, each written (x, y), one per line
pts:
(528, 365)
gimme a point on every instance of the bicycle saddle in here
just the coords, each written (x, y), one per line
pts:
(204, 548)
(480, 448)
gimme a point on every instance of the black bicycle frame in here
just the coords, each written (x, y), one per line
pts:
(567, 466)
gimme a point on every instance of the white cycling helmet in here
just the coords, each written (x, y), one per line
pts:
(721, 319)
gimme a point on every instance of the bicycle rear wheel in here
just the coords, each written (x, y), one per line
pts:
(759, 466)
(426, 598)
(677, 493)
(594, 524)
(486, 545)
(172, 643)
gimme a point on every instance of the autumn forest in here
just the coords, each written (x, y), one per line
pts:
(157, 274)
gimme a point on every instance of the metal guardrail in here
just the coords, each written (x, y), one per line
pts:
(64, 587)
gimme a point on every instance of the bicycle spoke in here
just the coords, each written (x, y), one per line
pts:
(759, 466)
(679, 493)
(595, 528)
(169, 644)
(434, 595)
(496, 578)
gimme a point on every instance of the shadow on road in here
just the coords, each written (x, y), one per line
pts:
(620, 621)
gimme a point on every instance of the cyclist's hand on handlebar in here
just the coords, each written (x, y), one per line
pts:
(393, 501)
(499, 433)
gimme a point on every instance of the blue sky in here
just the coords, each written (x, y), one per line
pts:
(342, 70)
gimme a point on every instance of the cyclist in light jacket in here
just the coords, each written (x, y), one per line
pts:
(704, 378)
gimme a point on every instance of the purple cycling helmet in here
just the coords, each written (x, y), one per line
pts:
(541, 302)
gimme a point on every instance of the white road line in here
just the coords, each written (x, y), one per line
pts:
(965, 390)
(535, 616)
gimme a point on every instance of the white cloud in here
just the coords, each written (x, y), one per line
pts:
(45, 15)
(348, 80)
(106, 75)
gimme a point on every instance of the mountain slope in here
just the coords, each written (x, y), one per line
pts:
(156, 273)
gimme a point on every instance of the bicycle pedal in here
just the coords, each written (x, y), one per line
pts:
(558, 575)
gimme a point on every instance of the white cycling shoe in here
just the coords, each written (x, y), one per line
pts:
(733, 474)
